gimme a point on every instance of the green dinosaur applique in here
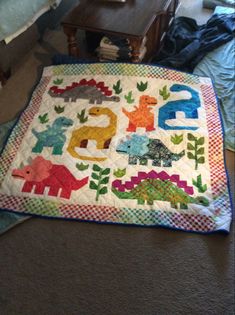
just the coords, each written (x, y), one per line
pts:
(148, 187)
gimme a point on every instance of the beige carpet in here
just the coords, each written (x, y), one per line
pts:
(54, 267)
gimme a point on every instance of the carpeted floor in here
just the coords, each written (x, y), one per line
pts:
(54, 267)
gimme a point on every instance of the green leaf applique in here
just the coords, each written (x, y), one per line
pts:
(164, 93)
(117, 87)
(119, 172)
(82, 167)
(59, 109)
(176, 139)
(58, 81)
(82, 116)
(43, 118)
(129, 98)
(198, 183)
(142, 86)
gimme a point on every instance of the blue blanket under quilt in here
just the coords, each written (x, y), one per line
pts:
(219, 66)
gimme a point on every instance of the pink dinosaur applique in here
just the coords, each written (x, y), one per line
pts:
(141, 116)
(41, 173)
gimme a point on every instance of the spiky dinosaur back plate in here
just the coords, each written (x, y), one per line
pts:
(119, 143)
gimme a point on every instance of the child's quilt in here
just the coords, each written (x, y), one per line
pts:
(119, 143)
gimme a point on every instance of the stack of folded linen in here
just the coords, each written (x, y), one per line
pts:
(117, 49)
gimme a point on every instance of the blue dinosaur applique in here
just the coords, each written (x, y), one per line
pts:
(188, 106)
(142, 148)
(53, 136)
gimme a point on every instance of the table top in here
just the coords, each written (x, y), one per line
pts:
(132, 18)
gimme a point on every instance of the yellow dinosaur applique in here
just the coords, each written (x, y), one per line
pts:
(102, 135)
(141, 116)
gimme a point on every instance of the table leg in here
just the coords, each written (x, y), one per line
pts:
(72, 42)
(135, 44)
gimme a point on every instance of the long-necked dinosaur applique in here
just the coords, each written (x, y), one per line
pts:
(188, 106)
(141, 116)
(95, 92)
(41, 173)
(147, 187)
(142, 148)
(53, 136)
(102, 135)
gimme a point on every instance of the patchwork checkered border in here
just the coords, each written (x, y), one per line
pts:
(216, 158)
(126, 69)
(188, 222)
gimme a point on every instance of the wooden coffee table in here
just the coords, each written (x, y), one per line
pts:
(133, 19)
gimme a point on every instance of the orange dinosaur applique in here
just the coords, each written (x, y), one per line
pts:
(141, 116)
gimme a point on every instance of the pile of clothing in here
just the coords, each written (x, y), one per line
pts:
(112, 48)
(186, 42)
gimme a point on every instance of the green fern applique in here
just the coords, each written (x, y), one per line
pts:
(196, 151)
(99, 175)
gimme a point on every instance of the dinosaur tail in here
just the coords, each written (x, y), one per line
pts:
(122, 194)
(202, 200)
(34, 132)
(81, 183)
(182, 153)
(84, 157)
(163, 125)
(125, 112)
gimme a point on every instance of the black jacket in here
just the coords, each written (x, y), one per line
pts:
(186, 43)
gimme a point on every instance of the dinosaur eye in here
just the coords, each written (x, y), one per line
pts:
(27, 172)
